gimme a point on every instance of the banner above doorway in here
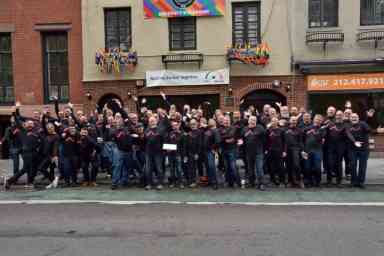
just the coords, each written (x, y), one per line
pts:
(183, 8)
(174, 78)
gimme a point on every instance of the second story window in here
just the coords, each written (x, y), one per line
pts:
(6, 74)
(246, 23)
(323, 13)
(372, 12)
(182, 33)
(118, 28)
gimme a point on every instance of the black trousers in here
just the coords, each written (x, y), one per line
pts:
(29, 166)
(335, 163)
(90, 169)
(276, 167)
(293, 166)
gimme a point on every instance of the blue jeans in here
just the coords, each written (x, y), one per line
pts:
(121, 168)
(154, 163)
(313, 168)
(232, 174)
(255, 164)
(358, 174)
(211, 167)
(70, 165)
(15, 154)
(175, 164)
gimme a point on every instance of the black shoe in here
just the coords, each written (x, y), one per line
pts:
(7, 185)
(338, 185)
(215, 187)
(113, 187)
(361, 186)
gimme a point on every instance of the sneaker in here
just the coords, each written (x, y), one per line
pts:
(282, 186)
(148, 187)
(171, 185)
(50, 186)
(193, 185)
(301, 185)
(159, 187)
(262, 187)
(29, 186)
(182, 186)
(7, 186)
(55, 182)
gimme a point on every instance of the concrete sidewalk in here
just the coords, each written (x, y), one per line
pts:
(375, 172)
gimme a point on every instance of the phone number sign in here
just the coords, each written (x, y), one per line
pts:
(345, 82)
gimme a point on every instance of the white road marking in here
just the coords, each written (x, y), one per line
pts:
(37, 202)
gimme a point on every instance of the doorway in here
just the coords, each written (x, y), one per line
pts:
(258, 98)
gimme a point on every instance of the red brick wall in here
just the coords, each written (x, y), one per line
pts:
(295, 97)
(27, 45)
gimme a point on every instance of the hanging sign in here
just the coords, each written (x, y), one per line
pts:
(183, 8)
(345, 82)
(173, 78)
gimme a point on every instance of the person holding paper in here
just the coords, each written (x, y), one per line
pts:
(175, 148)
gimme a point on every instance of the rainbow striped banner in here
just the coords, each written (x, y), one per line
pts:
(182, 8)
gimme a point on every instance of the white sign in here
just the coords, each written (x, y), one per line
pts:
(172, 78)
(171, 147)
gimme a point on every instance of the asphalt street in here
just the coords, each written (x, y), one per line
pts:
(91, 229)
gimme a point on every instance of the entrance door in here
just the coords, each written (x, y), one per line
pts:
(259, 98)
(194, 101)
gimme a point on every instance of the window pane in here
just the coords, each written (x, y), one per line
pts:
(314, 13)
(246, 23)
(6, 78)
(118, 28)
(372, 12)
(330, 13)
(56, 65)
(182, 33)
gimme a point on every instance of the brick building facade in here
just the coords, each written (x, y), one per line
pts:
(28, 23)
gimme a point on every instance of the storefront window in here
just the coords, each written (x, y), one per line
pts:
(361, 103)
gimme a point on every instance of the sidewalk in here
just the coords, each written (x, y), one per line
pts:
(375, 172)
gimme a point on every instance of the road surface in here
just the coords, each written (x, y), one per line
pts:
(93, 230)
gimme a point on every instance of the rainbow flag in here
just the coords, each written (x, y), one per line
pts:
(183, 8)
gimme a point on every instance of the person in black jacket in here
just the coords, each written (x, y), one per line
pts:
(314, 137)
(211, 142)
(175, 156)
(253, 137)
(293, 148)
(88, 150)
(49, 154)
(154, 139)
(229, 152)
(13, 139)
(360, 151)
(275, 152)
(70, 155)
(337, 135)
(124, 141)
(193, 148)
(30, 148)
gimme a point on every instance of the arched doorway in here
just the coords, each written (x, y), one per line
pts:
(109, 100)
(258, 98)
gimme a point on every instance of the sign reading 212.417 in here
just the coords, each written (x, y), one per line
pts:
(183, 8)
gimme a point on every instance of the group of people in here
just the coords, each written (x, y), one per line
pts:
(189, 147)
